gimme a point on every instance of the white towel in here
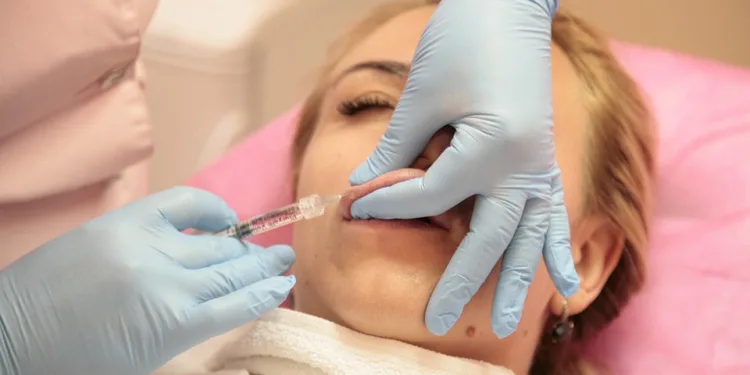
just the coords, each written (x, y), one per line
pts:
(286, 342)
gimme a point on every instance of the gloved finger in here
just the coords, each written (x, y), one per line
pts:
(557, 255)
(200, 251)
(444, 185)
(492, 226)
(230, 276)
(409, 131)
(519, 266)
(220, 315)
(186, 207)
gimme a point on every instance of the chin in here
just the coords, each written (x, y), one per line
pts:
(385, 304)
(372, 279)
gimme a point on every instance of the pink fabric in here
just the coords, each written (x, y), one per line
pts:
(74, 130)
(692, 316)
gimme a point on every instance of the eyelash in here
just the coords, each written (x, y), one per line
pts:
(363, 103)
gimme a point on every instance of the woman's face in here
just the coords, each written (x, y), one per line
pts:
(376, 277)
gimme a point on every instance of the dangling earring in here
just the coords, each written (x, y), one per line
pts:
(563, 329)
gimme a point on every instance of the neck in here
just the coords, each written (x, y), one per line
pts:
(463, 341)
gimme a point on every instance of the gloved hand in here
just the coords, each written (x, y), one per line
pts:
(482, 66)
(126, 292)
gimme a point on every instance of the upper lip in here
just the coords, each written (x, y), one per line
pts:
(445, 220)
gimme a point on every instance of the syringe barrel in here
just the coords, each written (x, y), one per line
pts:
(308, 207)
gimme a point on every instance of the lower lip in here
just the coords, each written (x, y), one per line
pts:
(394, 224)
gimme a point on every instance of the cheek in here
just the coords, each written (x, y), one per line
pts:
(332, 156)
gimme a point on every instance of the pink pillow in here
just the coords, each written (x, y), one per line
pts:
(692, 317)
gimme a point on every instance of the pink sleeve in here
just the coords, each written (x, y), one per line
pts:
(60, 52)
(75, 136)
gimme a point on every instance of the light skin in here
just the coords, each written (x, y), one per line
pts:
(376, 277)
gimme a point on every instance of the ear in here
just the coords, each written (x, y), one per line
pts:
(596, 245)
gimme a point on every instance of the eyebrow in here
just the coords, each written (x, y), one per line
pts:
(391, 67)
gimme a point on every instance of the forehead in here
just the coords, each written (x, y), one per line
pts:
(396, 39)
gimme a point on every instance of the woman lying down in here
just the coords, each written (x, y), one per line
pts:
(363, 286)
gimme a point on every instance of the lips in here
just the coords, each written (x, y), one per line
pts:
(443, 221)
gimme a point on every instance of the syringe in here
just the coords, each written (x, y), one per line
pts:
(306, 208)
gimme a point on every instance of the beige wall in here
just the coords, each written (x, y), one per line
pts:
(717, 29)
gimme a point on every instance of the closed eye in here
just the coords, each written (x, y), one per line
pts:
(364, 103)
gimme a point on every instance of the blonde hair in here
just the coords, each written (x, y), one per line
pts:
(618, 165)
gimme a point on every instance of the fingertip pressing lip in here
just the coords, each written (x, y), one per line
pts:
(345, 204)
(359, 191)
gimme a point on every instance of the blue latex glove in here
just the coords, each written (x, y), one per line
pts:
(482, 66)
(126, 292)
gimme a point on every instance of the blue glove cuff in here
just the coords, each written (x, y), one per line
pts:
(8, 363)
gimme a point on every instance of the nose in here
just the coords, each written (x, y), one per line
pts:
(439, 143)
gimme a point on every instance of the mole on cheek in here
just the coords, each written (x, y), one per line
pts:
(471, 331)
